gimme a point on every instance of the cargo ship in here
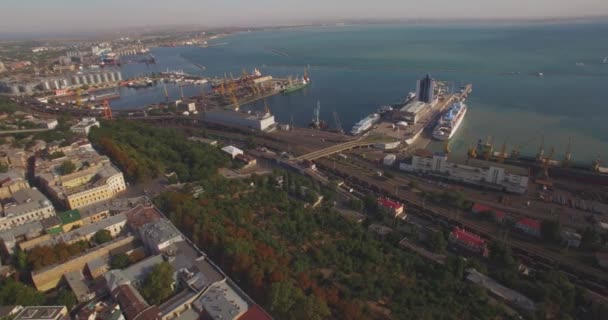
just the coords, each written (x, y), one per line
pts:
(450, 121)
(295, 86)
(365, 124)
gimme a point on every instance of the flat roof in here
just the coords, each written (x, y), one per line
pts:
(26, 200)
(138, 272)
(41, 313)
(160, 231)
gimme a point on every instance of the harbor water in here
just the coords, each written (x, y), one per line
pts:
(356, 69)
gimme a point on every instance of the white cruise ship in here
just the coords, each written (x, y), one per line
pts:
(365, 124)
(450, 122)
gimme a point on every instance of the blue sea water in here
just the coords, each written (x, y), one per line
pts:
(356, 69)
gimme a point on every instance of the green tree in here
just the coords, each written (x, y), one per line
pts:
(67, 167)
(250, 144)
(120, 261)
(16, 293)
(66, 297)
(102, 236)
(550, 230)
(158, 285)
(355, 204)
(438, 243)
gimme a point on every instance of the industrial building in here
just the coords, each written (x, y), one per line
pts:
(259, 122)
(65, 81)
(414, 111)
(476, 172)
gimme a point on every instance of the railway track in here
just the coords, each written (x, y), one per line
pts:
(593, 279)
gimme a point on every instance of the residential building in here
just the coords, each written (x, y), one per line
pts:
(529, 226)
(12, 237)
(94, 180)
(79, 287)
(141, 215)
(425, 89)
(133, 305)
(48, 278)
(43, 313)
(26, 205)
(84, 126)
(220, 301)
(488, 174)
(12, 181)
(98, 267)
(114, 224)
(468, 241)
(159, 235)
(394, 208)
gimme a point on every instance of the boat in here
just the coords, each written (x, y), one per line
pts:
(450, 121)
(385, 109)
(298, 85)
(605, 61)
(365, 124)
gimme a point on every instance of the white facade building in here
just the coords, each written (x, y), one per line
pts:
(482, 173)
(85, 125)
(26, 205)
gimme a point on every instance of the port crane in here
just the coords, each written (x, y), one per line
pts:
(107, 111)
(517, 148)
(338, 123)
(568, 156)
(316, 121)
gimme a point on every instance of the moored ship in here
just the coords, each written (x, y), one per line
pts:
(450, 122)
(365, 124)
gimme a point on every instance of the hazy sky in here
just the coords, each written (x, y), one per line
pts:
(88, 15)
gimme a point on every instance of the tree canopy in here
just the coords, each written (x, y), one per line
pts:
(102, 236)
(158, 285)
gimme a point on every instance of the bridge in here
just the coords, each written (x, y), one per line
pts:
(361, 142)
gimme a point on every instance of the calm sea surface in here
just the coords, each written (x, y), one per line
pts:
(356, 69)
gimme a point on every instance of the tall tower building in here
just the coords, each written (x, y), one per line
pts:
(425, 89)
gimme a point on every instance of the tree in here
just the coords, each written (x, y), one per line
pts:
(102, 236)
(249, 143)
(66, 298)
(438, 243)
(550, 231)
(355, 204)
(120, 261)
(16, 293)
(591, 239)
(158, 285)
(67, 167)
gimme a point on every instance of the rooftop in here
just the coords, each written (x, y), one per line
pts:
(530, 223)
(468, 237)
(137, 273)
(76, 282)
(160, 231)
(92, 228)
(141, 215)
(503, 292)
(387, 203)
(30, 229)
(221, 302)
(42, 313)
(131, 302)
(26, 201)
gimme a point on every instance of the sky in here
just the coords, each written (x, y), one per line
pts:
(31, 16)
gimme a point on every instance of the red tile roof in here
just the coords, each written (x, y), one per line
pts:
(389, 204)
(255, 313)
(499, 214)
(478, 207)
(465, 236)
(530, 223)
